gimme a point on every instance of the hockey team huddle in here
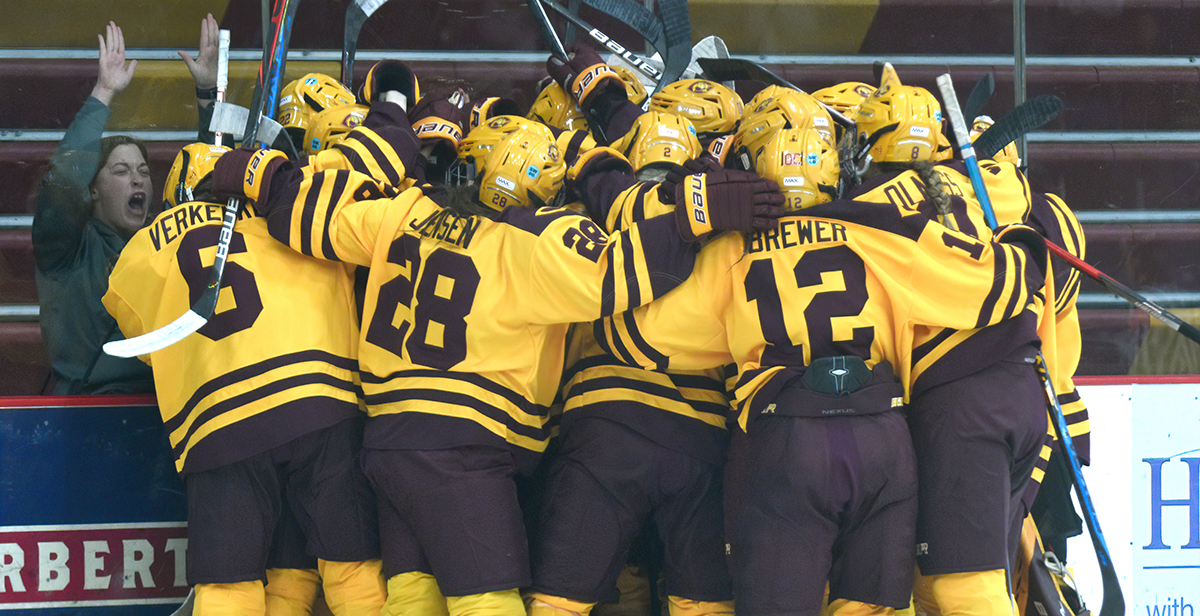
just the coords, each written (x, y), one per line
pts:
(465, 353)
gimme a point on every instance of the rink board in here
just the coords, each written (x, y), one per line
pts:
(92, 512)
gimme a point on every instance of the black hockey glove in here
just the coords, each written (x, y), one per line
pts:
(726, 201)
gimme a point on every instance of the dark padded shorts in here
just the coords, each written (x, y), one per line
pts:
(606, 482)
(233, 510)
(977, 440)
(815, 499)
(453, 513)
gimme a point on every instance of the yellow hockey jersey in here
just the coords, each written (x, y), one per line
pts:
(465, 318)
(941, 355)
(842, 278)
(276, 360)
(683, 410)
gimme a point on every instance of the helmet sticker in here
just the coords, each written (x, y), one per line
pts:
(311, 81)
(668, 132)
(793, 181)
(531, 172)
(691, 129)
(506, 183)
(498, 122)
(919, 131)
(315, 145)
(820, 120)
(792, 159)
(700, 87)
(813, 160)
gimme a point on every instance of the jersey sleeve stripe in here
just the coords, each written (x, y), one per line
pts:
(636, 338)
(609, 339)
(382, 162)
(629, 263)
(311, 200)
(994, 294)
(341, 178)
(608, 291)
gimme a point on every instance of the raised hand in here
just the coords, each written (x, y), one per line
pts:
(204, 66)
(115, 73)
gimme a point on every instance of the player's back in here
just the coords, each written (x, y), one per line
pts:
(274, 362)
(842, 278)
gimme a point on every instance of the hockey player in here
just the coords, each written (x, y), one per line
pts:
(966, 438)
(820, 480)
(636, 446)
(452, 421)
(261, 402)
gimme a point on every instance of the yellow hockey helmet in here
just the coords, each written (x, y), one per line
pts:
(844, 97)
(328, 128)
(554, 107)
(777, 108)
(634, 88)
(192, 164)
(658, 138)
(803, 163)
(713, 108)
(310, 94)
(898, 123)
(475, 146)
(1008, 154)
(524, 169)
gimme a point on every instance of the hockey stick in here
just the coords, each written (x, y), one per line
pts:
(735, 69)
(980, 94)
(1113, 602)
(677, 26)
(548, 33)
(1187, 330)
(950, 100)
(356, 15)
(222, 73)
(645, 67)
(270, 71)
(1026, 117)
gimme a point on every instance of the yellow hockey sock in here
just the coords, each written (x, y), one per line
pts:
(414, 594)
(354, 589)
(540, 604)
(291, 592)
(238, 599)
(846, 607)
(495, 603)
(686, 607)
(977, 593)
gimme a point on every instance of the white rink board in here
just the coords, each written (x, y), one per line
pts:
(1147, 520)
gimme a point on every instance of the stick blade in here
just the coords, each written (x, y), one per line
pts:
(980, 95)
(160, 338)
(1028, 116)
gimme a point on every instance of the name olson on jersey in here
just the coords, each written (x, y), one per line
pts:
(796, 232)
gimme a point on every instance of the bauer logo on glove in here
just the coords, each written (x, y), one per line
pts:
(699, 213)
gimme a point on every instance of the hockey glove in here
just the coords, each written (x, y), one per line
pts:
(388, 75)
(584, 74)
(726, 201)
(246, 174)
(675, 175)
(440, 118)
(1027, 238)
